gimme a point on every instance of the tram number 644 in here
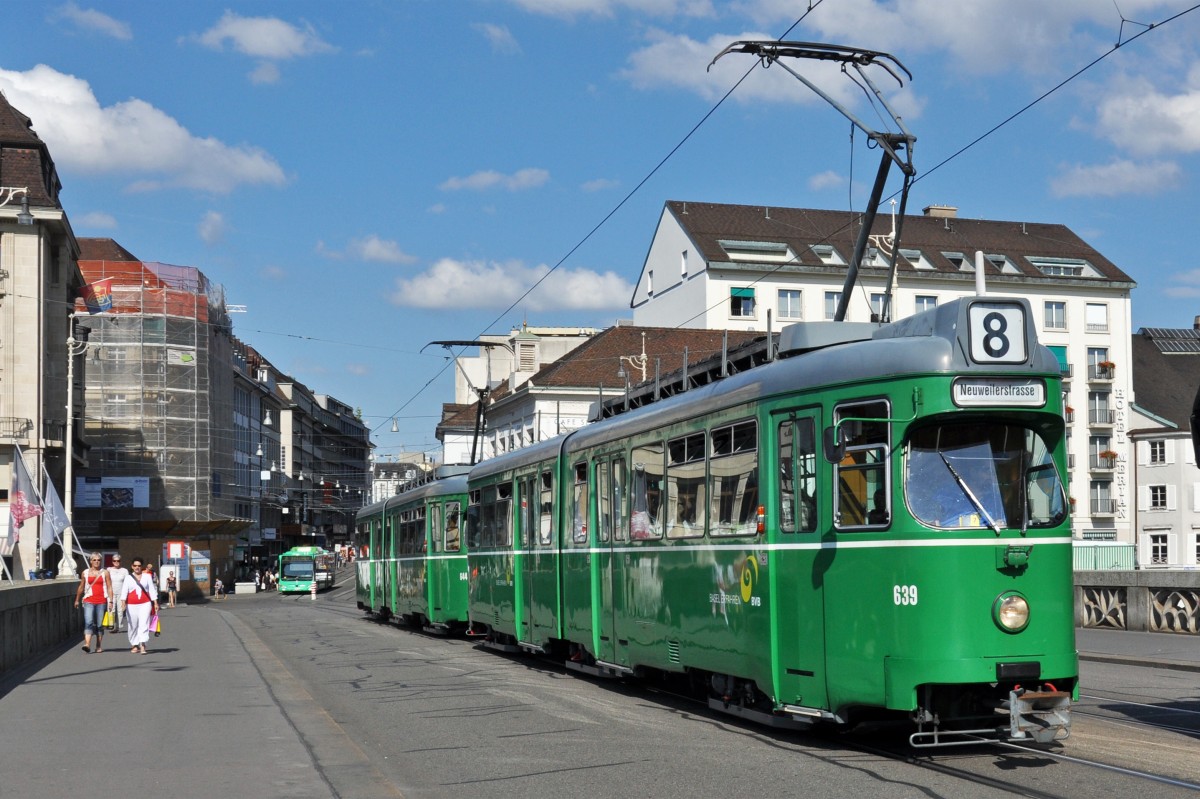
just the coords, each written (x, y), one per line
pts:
(904, 594)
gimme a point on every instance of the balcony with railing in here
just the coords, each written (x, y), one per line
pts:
(1067, 370)
(12, 427)
(1069, 414)
(1104, 507)
(1103, 370)
(1106, 460)
(1101, 416)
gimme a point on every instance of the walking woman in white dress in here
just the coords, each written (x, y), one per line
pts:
(141, 600)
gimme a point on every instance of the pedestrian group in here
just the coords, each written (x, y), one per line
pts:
(114, 595)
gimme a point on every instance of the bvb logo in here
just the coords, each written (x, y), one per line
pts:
(749, 577)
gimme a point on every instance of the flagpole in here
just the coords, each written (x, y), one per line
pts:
(66, 568)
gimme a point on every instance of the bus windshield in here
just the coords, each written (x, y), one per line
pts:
(983, 475)
(298, 569)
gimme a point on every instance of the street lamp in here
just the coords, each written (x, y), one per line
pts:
(635, 361)
(7, 193)
(75, 348)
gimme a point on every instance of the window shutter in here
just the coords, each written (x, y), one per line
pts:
(1170, 450)
(1143, 497)
(1171, 502)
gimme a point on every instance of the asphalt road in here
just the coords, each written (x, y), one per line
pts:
(426, 716)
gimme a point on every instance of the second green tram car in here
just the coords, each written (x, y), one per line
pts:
(874, 525)
(411, 562)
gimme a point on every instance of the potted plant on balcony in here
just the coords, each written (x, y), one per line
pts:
(1070, 412)
(1108, 456)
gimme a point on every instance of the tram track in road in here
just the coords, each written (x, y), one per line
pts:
(1129, 713)
(1050, 772)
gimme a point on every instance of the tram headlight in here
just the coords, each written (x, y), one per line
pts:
(1010, 611)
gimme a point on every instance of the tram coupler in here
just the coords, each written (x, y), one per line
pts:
(1044, 716)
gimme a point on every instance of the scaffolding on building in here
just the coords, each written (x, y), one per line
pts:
(153, 410)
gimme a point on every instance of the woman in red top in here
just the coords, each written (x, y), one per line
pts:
(94, 592)
(141, 600)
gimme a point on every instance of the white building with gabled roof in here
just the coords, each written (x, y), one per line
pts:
(740, 267)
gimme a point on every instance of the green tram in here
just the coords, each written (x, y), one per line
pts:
(411, 561)
(873, 526)
(305, 569)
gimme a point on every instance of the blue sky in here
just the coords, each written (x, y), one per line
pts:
(366, 177)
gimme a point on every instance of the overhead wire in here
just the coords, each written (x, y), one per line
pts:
(620, 204)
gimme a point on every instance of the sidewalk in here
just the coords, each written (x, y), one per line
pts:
(1161, 650)
(208, 712)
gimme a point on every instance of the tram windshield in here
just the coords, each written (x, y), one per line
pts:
(983, 475)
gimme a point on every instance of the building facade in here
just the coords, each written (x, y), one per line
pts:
(721, 266)
(159, 414)
(1163, 465)
(39, 279)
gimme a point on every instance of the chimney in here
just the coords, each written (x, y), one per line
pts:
(1196, 323)
(941, 211)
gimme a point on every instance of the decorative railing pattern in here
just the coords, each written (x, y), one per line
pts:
(1104, 607)
(1175, 611)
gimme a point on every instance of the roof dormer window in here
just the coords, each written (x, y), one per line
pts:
(772, 251)
(827, 254)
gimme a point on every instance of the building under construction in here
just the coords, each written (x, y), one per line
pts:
(158, 409)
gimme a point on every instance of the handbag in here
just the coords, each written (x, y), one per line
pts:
(107, 621)
(155, 625)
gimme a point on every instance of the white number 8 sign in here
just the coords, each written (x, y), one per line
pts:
(997, 333)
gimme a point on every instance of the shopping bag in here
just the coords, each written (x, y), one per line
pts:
(155, 625)
(107, 621)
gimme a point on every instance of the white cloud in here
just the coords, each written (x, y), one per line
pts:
(500, 37)
(276, 273)
(130, 137)
(600, 184)
(607, 8)
(477, 284)
(1184, 284)
(97, 219)
(265, 73)
(358, 369)
(481, 181)
(212, 228)
(373, 248)
(93, 21)
(1116, 178)
(264, 37)
(370, 248)
(982, 36)
(826, 180)
(437, 208)
(1146, 121)
(673, 61)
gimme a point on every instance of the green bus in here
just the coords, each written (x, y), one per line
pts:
(303, 568)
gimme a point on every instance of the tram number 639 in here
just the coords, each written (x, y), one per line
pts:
(904, 594)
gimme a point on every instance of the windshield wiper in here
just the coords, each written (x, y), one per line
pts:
(966, 489)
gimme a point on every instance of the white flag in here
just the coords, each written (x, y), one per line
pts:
(54, 517)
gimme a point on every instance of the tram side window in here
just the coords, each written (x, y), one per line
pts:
(474, 520)
(618, 499)
(604, 499)
(526, 509)
(435, 527)
(861, 498)
(645, 518)
(797, 476)
(579, 504)
(453, 512)
(733, 480)
(504, 493)
(419, 536)
(546, 506)
(685, 486)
